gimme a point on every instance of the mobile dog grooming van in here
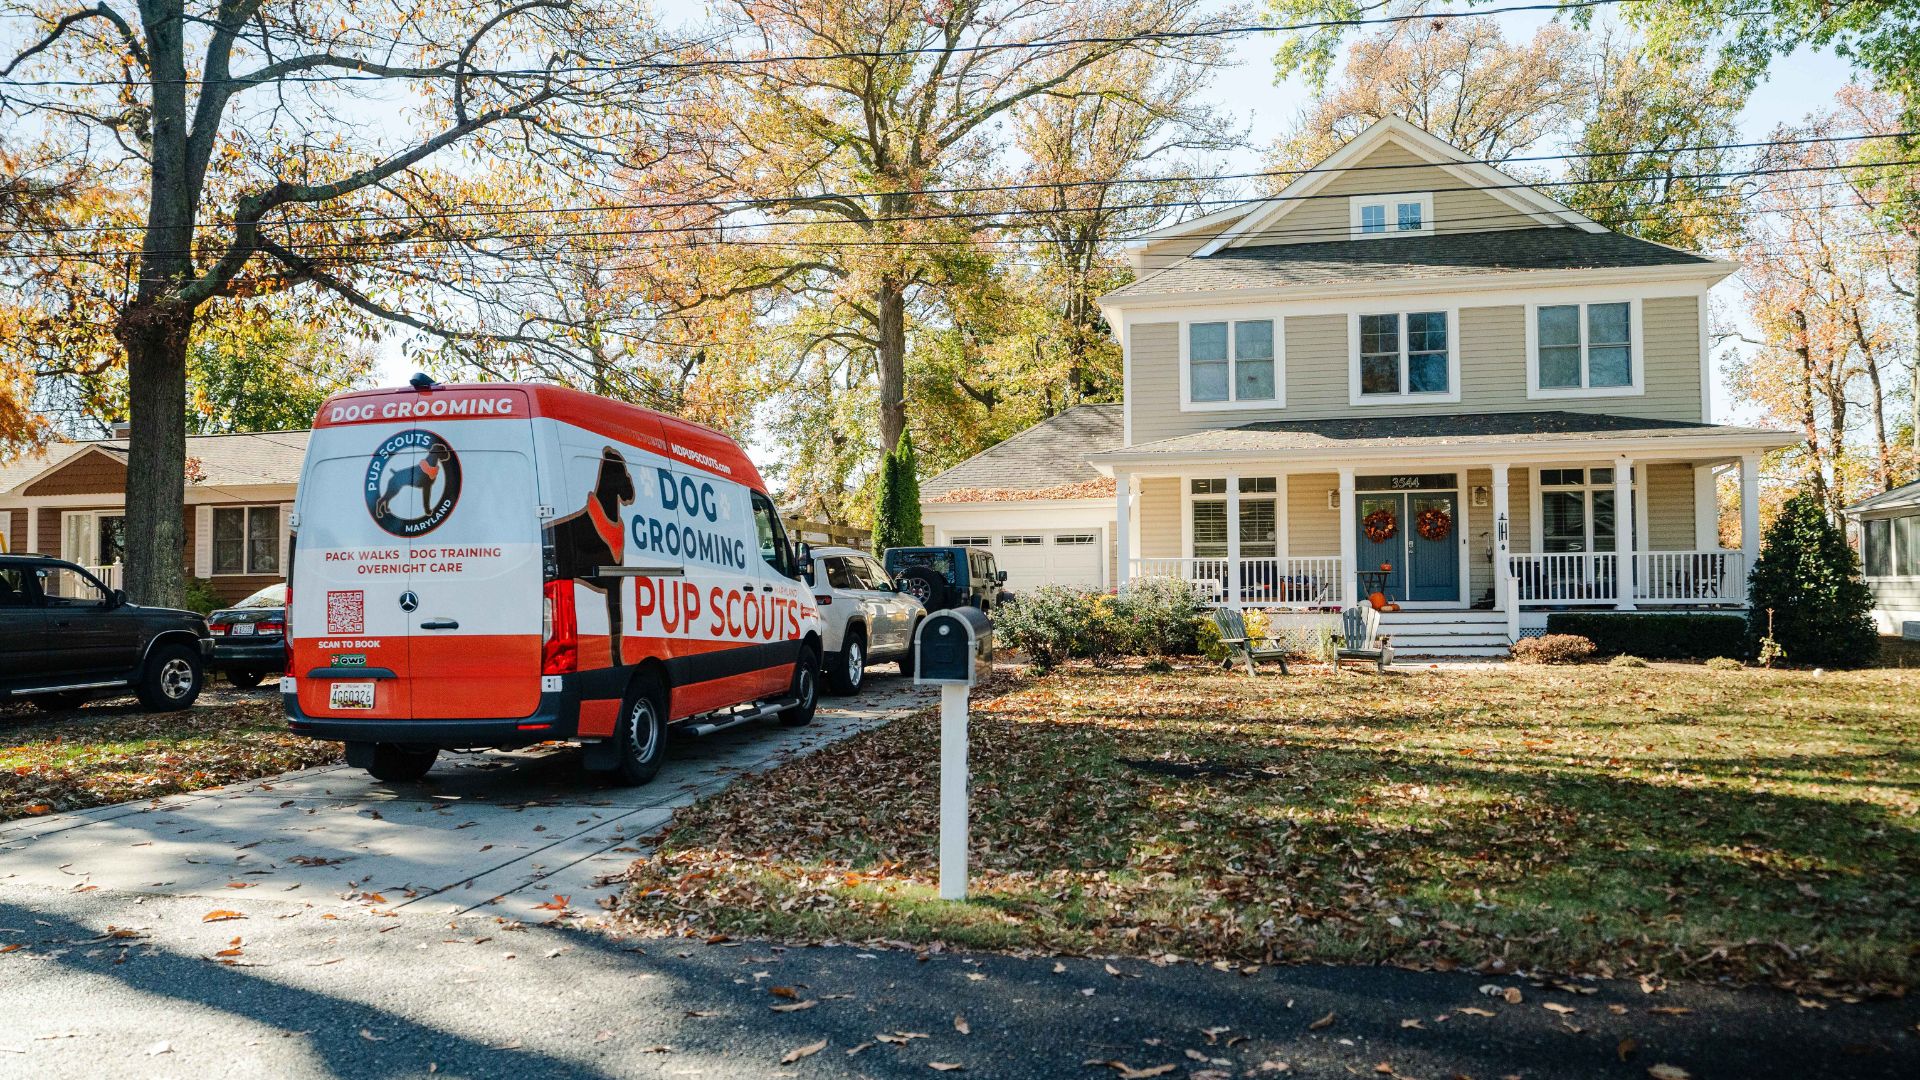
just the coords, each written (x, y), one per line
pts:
(494, 565)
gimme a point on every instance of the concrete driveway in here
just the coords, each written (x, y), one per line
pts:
(496, 833)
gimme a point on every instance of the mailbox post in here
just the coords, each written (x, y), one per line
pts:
(951, 648)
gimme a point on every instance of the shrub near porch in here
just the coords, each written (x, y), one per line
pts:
(1753, 824)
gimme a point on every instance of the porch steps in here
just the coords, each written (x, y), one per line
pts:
(1446, 633)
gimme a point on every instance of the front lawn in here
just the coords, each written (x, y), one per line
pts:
(1670, 821)
(108, 753)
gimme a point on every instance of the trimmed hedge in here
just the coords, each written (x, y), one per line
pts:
(1676, 636)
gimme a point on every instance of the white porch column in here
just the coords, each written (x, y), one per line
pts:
(1123, 527)
(1749, 516)
(1623, 530)
(1349, 547)
(1233, 539)
(1706, 509)
(1502, 538)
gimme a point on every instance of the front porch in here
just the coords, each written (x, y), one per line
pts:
(1480, 551)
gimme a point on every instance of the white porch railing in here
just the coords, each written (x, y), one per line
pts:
(1308, 581)
(1659, 577)
(109, 575)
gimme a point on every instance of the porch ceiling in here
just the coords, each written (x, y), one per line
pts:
(1507, 436)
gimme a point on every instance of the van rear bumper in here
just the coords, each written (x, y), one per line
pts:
(557, 717)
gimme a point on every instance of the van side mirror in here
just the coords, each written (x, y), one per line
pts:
(803, 559)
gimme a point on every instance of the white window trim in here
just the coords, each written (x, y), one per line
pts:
(1356, 203)
(1894, 561)
(1279, 398)
(247, 511)
(1537, 497)
(1357, 399)
(67, 516)
(1636, 347)
(1188, 499)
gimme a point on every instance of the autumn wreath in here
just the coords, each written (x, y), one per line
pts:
(1380, 525)
(1433, 523)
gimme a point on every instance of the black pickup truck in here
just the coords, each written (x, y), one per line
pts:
(65, 638)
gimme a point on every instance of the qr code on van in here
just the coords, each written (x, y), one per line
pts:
(347, 612)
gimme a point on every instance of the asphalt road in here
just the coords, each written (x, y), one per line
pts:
(323, 925)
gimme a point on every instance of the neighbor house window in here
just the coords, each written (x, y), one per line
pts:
(1391, 215)
(1892, 546)
(1404, 354)
(1231, 361)
(1584, 346)
(246, 540)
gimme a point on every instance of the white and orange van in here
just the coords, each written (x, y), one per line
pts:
(498, 564)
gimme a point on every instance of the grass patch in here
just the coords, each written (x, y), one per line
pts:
(1759, 825)
(109, 753)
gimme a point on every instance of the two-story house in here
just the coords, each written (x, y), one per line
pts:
(1404, 374)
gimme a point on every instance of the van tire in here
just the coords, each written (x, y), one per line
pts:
(396, 764)
(848, 669)
(171, 679)
(640, 735)
(806, 687)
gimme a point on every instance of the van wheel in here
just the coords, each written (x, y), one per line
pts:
(849, 669)
(171, 680)
(641, 734)
(806, 688)
(396, 764)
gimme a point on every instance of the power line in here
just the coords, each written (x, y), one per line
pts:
(1017, 213)
(750, 203)
(726, 62)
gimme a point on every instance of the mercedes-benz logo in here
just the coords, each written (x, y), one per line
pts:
(409, 601)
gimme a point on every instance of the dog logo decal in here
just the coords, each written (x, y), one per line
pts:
(595, 537)
(412, 483)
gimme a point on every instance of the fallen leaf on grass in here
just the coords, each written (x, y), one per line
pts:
(787, 992)
(794, 1006)
(862, 1046)
(558, 903)
(15, 947)
(161, 1047)
(1669, 1072)
(1556, 1007)
(1626, 1048)
(371, 1037)
(1127, 1072)
(1805, 1003)
(1413, 1024)
(1472, 1011)
(511, 1044)
(1671, 1010)
(1324, 1022)
(799, 1052)
(960, 1025)
(697, 1014)
(945, 1066)
(221, 915)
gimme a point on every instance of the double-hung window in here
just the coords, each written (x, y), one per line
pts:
(1404, 355)
(1584, 348)
(1891, 546)
(1231, 362)
(246, 540)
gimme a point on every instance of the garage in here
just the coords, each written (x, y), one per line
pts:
(1051, 557)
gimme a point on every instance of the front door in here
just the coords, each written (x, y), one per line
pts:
(1408, 546)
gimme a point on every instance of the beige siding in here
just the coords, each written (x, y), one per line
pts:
(1670, 507)
(1312, 527)
(1493, 363)
(1520, 509)
(1480, 534)
(1325, 216)
(1159, 510)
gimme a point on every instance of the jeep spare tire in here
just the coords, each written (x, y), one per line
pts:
(925, 585)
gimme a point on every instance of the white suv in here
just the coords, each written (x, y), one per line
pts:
(867, 617)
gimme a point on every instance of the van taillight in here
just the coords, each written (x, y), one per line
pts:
(559, 634)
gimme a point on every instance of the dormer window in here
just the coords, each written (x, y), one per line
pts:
(1391, 215)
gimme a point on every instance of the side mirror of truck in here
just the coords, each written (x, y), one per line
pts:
(1000, 577)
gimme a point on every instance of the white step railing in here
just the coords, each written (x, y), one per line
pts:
(1715, 576)
(1307, 581)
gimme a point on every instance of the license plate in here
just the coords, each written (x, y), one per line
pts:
(242, 629)
(350, 695)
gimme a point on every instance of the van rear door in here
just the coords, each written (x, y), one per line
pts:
(348, 644)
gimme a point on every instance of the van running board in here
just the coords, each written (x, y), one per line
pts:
(733, 720)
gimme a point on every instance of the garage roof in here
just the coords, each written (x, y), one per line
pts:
(1046, 461)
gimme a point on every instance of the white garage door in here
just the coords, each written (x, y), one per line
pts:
(1049, 558)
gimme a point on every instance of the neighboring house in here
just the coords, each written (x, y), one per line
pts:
(1889, 526)
(1046, 513)
(1400, 375)
(70, 502)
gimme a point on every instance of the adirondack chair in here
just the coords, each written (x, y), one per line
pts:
(1233, 635)
(1363, 639)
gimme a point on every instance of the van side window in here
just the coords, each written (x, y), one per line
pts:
(772, 537)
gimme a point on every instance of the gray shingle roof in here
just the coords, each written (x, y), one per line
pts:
(1909, 495)
(1396, 258)
(1052, 453)
(1431, 432)
(248, 458)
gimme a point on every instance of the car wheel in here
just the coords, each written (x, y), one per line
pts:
(806, 690)
(641, 734)
(246, 680)
(172, 679)
(924, 585)
(396, 764)
(850, 669)
(68, 699)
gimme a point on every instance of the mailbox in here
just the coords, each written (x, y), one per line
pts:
(952, 647)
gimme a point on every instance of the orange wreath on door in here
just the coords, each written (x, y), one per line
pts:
(1380, 525)
(1433, 523)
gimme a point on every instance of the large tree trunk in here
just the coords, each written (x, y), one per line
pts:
(890, 303)
(156, 342)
